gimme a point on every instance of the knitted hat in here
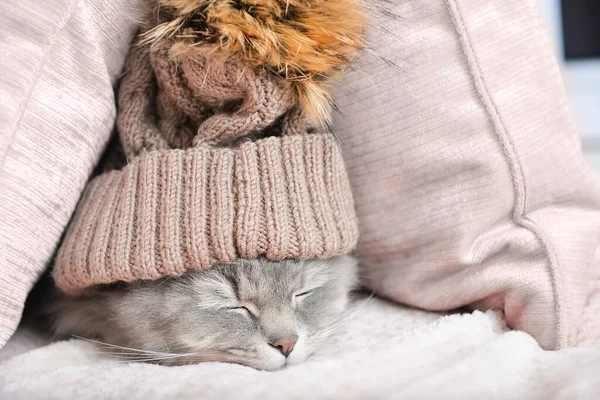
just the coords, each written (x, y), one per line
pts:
(225, 155)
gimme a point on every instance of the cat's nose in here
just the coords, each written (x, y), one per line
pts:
(285, 345)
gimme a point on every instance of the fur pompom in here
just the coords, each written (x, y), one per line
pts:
(306, 42)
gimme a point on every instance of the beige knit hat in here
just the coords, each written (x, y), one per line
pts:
(222, 160)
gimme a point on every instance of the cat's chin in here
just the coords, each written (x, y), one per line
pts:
(265, 363)
(271, 366)
(272, 360)
(277, 365)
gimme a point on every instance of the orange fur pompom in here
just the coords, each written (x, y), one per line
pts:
(306, 42)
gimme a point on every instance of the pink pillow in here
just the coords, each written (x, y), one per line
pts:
(467, 168)
(60, 60)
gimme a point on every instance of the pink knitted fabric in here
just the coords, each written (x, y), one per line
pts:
(220, 164)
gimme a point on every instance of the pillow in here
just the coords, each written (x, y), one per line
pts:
(60, 60)
(467, 169)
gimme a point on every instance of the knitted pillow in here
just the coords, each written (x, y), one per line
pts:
(59, 61)
(470, 185)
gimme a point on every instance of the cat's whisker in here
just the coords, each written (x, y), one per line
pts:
(171, 358)
(142, 353)
(208, 357)
(114, 346)
(141, 358)
(121, 362)
(137, 354)
(352, 312)
(117, 353)
(131, 356)
(344, 318)
(138, 358)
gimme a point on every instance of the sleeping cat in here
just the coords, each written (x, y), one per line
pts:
(258, 313)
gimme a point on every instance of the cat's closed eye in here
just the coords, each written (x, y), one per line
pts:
(248, 309)
(303, 294)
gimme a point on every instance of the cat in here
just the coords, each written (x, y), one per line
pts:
(259, 313)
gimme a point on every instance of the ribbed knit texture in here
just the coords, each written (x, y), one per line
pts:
(220, 165)
(171, 211)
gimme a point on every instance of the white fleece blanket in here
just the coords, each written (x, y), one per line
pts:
(383, 352)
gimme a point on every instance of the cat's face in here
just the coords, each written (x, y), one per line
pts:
(254, 312)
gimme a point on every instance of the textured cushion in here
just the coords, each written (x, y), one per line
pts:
(58, 62)
(468, 173)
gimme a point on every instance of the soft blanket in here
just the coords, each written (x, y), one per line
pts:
(383, 352)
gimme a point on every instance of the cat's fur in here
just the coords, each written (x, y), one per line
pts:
(232, 313)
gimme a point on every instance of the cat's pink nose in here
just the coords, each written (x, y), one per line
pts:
(285, 345)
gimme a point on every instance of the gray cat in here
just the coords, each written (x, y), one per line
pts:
(257, 313)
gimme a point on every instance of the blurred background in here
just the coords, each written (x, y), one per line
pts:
(574, 27)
